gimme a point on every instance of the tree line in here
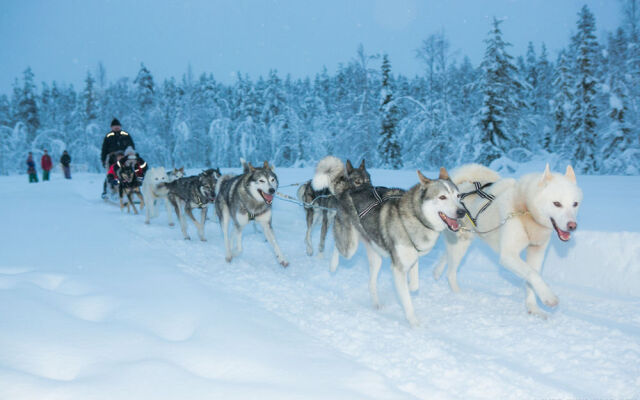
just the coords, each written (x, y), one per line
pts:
(581, 107)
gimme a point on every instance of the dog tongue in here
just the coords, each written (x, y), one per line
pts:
(453, 224)
(564, 235)
(268, 197)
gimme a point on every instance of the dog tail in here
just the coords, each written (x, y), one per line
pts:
(327, 171)
(474, 173)
(301, 190)
(245, 165)
(223, 178)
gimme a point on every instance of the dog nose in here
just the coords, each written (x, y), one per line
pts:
(572, 226)
(272, 190)
(460, 213)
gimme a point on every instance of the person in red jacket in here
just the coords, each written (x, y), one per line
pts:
(46, 164)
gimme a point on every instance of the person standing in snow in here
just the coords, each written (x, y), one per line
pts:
(31, 169)
(46, 164)
(65, 160)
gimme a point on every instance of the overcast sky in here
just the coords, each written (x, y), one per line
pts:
(61, 40)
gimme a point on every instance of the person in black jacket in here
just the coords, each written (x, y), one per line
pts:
(65, 160)
(114, 144)
(115, 141)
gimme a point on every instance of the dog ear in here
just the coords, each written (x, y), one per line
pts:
(349, 167)
(362, 165)
(250, 167)
(443, 173)
(546, 175)
(423, 179)
(570, 174)
(245, 165)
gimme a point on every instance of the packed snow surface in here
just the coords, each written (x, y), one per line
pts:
(94, 304)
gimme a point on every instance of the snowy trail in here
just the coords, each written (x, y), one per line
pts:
(482, 337)
(478, 344)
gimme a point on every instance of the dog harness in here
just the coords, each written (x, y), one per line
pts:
(378, 201)
(480, 192)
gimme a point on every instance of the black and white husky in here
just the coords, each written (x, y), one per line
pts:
(246, 197)
(403, 225)
(191, 192)
(322, 205)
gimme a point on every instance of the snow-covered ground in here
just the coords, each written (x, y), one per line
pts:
(94, 304)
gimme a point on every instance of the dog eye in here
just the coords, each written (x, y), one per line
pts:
(443, 197)
(262, 181)
(557, 204)
(575, 204)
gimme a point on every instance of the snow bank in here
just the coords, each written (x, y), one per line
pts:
(96, 304)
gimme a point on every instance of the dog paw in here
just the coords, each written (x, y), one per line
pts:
(536, 312)
(309, 251)
(187, 238)
(147, 222)
(413, 321)
(171, 224)
(203, 239)
(284, 263)
(320, 256)
(228, 259)
(551, 301)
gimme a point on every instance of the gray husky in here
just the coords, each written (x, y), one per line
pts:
(191, 192)
(326, 205)
(403, 225)
(247, 197)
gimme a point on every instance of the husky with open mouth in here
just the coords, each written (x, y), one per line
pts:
(512, 216)
(395, 223)
(247, 197)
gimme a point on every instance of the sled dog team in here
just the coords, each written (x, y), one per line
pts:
(473, 201)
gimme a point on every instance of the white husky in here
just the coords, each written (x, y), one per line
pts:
(151, 192)
(522, 215)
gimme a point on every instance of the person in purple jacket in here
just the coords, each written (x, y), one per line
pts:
(31, 169)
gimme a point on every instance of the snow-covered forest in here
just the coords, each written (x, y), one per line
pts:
(580, 106)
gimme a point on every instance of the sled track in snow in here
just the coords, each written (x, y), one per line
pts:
(344, 318)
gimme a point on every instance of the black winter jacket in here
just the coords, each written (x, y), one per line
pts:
(115, 142)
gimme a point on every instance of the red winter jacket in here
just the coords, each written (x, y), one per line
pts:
(46, 163)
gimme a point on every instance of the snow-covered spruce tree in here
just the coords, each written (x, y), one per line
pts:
(388, 147)
(5, 111)
(563, 94)
(631, 21)
(500, 87)
(543, 93)
(145, 89)
(89, 100)
(584, 112)
(616, 138)
(27, 108)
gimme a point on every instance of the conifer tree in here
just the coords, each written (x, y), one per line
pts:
(584, 111)
(388, 147)
(500, 88)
